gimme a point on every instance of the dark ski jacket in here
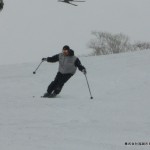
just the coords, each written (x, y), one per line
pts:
(67, 64)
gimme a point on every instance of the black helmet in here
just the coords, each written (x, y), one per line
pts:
(66, 47)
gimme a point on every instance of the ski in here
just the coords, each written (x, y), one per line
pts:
(48, 97)
(44, 97)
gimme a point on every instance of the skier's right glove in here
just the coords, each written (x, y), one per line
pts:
(44, 59)
(84, 71)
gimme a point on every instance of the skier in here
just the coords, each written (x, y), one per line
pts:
(1, 4)
(68, 64)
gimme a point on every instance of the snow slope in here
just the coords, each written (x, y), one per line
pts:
(119, 112)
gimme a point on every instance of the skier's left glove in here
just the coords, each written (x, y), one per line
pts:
(84, 71)
(1, 5)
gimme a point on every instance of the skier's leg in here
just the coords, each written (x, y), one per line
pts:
(51, 87)
(61, 82)
(53, 84)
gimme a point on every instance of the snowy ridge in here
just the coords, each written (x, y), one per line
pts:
(119, 112)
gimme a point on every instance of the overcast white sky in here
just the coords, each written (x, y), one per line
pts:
(32, 29)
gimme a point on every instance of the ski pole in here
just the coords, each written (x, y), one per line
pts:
(34, 72)
(88, 87)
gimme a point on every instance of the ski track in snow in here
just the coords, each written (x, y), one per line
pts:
(119, 112)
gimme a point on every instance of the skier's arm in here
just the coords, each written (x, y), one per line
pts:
(54, 58)
(79, 65)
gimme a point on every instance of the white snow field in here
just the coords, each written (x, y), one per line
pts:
(119, 112)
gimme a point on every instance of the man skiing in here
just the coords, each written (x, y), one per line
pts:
(1, 4)
(68, 63)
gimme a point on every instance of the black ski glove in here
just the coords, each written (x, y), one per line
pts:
(44, 59)
(84, 71)
(1, 5)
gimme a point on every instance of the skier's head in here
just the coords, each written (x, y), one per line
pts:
(66, 50)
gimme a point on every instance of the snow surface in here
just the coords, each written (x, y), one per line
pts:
(119, 112)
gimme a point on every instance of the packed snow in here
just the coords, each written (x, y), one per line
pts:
(118, 114)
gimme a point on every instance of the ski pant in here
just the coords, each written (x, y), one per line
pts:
(58, 83)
